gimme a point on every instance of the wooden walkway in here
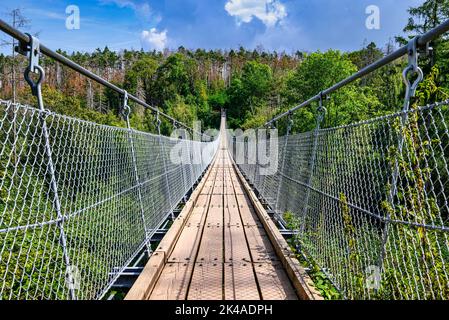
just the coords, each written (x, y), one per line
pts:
(219, 248)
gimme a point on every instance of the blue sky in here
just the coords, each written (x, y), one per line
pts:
(282, 25)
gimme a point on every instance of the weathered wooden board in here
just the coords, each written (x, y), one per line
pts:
(231, 212)
(249, 217)
(240, 282)
(215, 215)
(202, 201)
(236, 247)
(211, 247)
(207, 282)
(187, 244)
(259, 245)
(273, 282)
(173, 282)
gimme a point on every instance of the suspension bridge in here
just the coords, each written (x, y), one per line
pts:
(86, 208)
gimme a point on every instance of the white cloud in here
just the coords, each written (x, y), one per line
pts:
(154, 40)
(141, 7)
(269, 12)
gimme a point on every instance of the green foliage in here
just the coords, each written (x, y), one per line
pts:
(320, 71)
(249, 91)
(178, 109)
(139, 78)
(319, 278)
(414, 203)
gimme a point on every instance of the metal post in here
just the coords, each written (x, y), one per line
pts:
(321, 111)
(411, 69)
(184, 183)
(284, 149)
(126, 112)
(262, 188)
(33, 49)
(162, 149)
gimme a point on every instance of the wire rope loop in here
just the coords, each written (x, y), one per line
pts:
(290, 122)
(33, 65)
(321, 110)
(412, 69)
(126, 110)
(35, 85)
(158, 123)
(412, 87)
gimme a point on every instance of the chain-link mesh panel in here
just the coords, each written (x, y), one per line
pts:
(370, 202)
(102, 221)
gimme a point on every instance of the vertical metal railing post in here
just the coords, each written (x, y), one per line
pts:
(36, 89)
(412, 68)
(164, 161)
(264, 178)
(183, 176)
(321, 111)
(126, 112)
(281, 169)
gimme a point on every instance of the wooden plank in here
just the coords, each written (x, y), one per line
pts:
(142, 289)
(207, 282)
(231, 211)
(229, 189)
(240, 282)
(207, 190)
(274, 282)
(211, 247)
(218, 188)
(215, 215)
(187, 245)
(197, 216)
(202, 201)
(236, 247)
(173, 282)
(249, 217)
(154, 267)
(259, 245)
(298, 276)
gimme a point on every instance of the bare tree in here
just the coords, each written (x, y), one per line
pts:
(19, 21)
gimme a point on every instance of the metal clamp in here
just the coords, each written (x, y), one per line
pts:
(126, 110)
(321, 108)
(158, 123)
(290, 122)
(412, 68)
(33, 49)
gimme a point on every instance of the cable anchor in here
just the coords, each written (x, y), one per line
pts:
(412, 69)
(33, 49)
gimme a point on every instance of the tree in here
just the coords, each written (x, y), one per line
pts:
(139, 79)
(318, 72)
(422, 19)
(174, 77)
(427, 16)
(249, 91)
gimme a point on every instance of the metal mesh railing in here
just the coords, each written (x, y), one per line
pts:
(67, 236)
(370, 202)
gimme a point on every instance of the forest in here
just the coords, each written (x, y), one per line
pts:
(252, 85)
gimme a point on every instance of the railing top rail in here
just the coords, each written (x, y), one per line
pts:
(23, 38)
(421, 41)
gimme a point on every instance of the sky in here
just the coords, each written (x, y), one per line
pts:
(274, 25)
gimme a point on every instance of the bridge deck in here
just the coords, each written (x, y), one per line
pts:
(220, 250)
(223, 252)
